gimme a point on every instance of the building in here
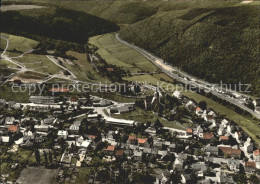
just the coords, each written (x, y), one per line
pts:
(177, 94)
(42, 99)
(74, 129)
(120, 122)
(62, 134)
(13, 129)
(110, 150)
(42, 128)
(143, 142)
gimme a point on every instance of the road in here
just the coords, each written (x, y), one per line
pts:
(57, 63)
(169, 70)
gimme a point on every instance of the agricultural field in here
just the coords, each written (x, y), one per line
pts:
(18, 43)
(39, 63)
(118, 54)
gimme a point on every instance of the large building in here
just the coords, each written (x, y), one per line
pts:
(120, 122)
(41, 99)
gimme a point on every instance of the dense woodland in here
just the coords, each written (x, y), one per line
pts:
(56, 23)
(212, 44)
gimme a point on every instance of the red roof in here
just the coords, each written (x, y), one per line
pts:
(208, 135)
(224, 138)
(62, 90)
(119, 152)
(209, 117)
(142, 141)
(230, 151)
(198, 109)
(257, 152)
(250, 164)
(110, 148)
(110, 69)
(189, 130)
(13, 128)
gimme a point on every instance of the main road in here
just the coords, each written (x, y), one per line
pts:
(188, 79)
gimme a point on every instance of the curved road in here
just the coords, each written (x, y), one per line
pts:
(167, 69)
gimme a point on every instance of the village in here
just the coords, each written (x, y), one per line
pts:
(77, 139)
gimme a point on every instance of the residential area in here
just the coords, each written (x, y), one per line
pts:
(78, 139)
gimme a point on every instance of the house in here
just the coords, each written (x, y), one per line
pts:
(248, 146)
(189, 131)
(28, 134)
(119, 154)
(172, 148)
(206, 136)
(138, 156)
(42, 128)
(74, 129)
(256, 102)
(151, 131)
(13, 129)
(177, 94)
(122, 109)
(132, 139)
(74, 100)
(224, 139)
(233, 164)
(257, 161)
(62, 134)
(120, 122)
(250, 167)
(5, 139)
(42, 99)
(158, 145)
(211, 150)
(199, 111)
(2, 102)
(9, 120)
(230, 152)
(143, 142)
(110, 150)
(256, 153)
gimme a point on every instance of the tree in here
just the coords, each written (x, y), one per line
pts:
(50, 157)
(37, 156)
(203, 105)
(45, 158)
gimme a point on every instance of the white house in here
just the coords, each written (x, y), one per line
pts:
(62, 134)
(177, 94)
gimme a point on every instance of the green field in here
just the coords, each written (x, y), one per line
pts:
(19, 43)
(39, 63)
(118, 54)
(83, 69)
(8, 64)
(145, 116)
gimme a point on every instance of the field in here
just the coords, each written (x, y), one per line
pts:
(83, 69)
(122, 56)
(39, 63)
(145, 116)
(7, 93)
(19, 43)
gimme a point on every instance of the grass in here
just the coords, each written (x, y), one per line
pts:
(7, 93)
(83, 175)
(114, 97)
(118, 54)
(248, 125)
(83, 69)
(39, 63)
(19, 43)
(145, 116)
(8, 64)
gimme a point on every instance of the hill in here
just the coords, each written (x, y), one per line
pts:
(56, 23)
(215, 44)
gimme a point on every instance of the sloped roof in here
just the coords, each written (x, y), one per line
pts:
(13, 128)
(109, 148)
